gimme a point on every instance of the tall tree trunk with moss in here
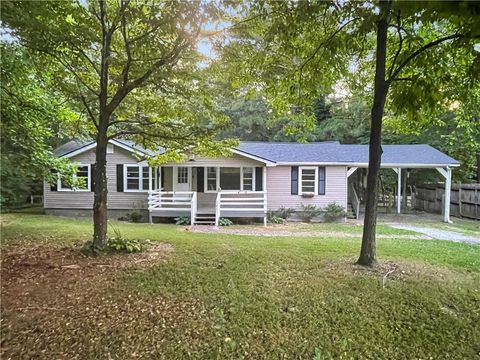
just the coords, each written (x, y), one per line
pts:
(368, 256)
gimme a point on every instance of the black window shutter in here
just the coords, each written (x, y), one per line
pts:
(119, 177)
(200, 177)
(92, 176)
(162, 178)
(53, 185)
(259, 179)
(321, 180)
(294, 180)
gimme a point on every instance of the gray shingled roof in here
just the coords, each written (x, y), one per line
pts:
(334, 152)
(321, 152)
(71, 146)
(74, 145)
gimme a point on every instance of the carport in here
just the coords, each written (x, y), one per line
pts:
(403, 158)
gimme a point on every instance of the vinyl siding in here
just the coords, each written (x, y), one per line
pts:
(278, 188)
(84, 200)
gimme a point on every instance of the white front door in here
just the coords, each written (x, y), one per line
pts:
(182, 178)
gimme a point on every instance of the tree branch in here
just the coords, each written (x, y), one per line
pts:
(400, 45)
(123, 27)
(425, 47)
(171, 59)
(323, 43)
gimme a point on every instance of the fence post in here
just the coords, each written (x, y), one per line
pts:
(460, 199)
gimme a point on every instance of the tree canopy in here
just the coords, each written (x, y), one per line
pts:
(35, 118)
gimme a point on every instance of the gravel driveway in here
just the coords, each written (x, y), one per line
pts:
(439, 234)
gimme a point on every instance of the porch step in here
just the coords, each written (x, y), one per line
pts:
(204, 219)
(350, 212)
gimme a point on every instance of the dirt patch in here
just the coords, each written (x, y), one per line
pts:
(46, 290)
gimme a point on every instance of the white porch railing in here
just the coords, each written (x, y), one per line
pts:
(173, 201)
(229, 203)
(240, 202)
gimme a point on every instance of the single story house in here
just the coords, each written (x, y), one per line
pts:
(257, 178)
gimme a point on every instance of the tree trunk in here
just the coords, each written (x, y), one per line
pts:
(368, 250)
(100, 214)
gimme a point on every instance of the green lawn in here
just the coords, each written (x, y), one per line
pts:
(223, 296)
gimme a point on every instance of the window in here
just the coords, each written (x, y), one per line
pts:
(308, 180)
(248, 178)
(211, 179)
(136, 178)
(321, 180)
(182, 175)
(230, 178)
(82, 176)
(109, 149)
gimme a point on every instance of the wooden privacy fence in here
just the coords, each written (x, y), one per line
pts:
(464, 199)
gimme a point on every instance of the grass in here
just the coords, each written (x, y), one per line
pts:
(231, 297)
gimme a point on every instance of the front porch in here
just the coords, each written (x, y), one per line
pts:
(206, 194)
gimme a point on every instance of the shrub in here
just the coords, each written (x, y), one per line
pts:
(284, 212)
(225, 222)
(134, 216)
(309, 212)
(120, 244)
(274, 219)
(333, 211)
(183, 220)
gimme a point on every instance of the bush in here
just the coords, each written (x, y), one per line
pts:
(274, 219)
(309, 212)
(225, 222)
(120, 244)
(134, 216)
(333, 212)
(183, 220)
(284, 212)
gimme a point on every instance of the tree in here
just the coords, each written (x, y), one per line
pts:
(133, 69)
(33, 119)
(299, 50)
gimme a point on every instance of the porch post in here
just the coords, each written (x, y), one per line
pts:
(150, 179)
(448, 189)
(399, 189)
(264, 188)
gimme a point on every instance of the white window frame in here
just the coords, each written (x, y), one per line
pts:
(183, 176)
(300, 179)
(205, 177)
(87, 189)
(253, 177)
(140, 178)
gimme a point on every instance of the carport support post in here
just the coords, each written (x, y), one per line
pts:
(399, 189)
(448, 189)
